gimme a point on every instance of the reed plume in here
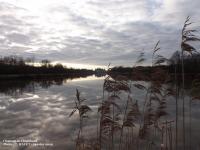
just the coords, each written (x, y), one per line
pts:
(82, 111)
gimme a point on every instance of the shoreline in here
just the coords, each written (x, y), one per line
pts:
(32, 76)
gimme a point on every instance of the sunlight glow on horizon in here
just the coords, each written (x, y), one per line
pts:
(72, 65)
(80, 66)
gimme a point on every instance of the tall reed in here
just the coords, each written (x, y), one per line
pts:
(82, 111)
(187, 36)
(121, 122)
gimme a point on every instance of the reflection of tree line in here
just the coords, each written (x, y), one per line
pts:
(123, 125)
(144, 76)
(18, 75)
(15, 87)
(24, 74)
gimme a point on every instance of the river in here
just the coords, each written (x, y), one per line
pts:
(38, 111)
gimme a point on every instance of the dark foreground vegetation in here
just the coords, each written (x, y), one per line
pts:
(122, 124)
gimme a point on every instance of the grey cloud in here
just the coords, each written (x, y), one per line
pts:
(16, 30)
(18, 38)
(125, 8)
(10, 20)
(174, 13)
(6, 28)
(81, 20)
(124, 46)
(10, 7)
(103, 40)
(121, 46)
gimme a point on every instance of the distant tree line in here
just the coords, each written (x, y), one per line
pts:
(191, 63)
(191, 66)
(15, 65)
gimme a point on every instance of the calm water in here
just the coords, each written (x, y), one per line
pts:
(39, 110)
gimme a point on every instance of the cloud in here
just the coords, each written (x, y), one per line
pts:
(175, 12)
(18, 38)
(93, 32)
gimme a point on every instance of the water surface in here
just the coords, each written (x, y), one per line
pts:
(39, 110)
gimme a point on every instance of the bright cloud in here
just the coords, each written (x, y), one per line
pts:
(92, 32)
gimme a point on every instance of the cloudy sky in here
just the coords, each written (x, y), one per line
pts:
(92, 32)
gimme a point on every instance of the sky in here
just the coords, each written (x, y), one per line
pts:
(93, 32)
